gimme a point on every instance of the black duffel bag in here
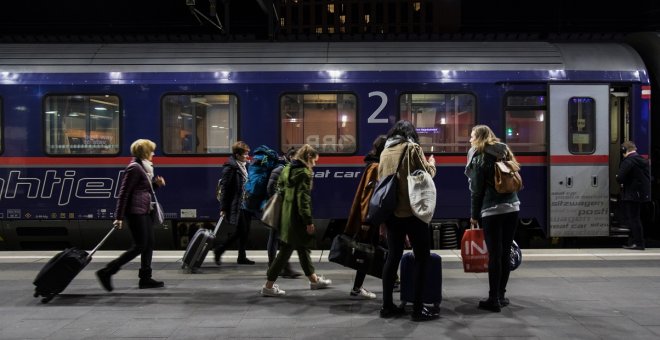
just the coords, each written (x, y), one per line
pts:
(364, 257)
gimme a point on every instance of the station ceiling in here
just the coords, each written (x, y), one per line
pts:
(305, 20)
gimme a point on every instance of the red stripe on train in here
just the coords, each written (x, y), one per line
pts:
(580, 159)
(168, 160)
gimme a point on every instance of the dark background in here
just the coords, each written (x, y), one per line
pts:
(305, 20)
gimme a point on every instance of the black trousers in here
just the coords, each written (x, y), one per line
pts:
(142, 231)
(632, 218)
(241, 234)
(498, 232)
(418, 233)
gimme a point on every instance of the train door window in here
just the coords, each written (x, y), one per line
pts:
(443, 120)
(525, 122)
(81, 124)
(326, 121)
(581, 125)
(199, 123)
(2, 127)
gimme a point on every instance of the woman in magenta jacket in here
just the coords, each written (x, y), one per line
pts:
(135, 204)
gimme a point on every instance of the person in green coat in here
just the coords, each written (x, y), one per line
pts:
(296, 226)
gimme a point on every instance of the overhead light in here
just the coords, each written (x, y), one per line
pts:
(100, 108)
(98, 101)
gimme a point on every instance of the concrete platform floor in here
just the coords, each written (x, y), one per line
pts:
(555, 294)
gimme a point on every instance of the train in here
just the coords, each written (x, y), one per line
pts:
(69, 112)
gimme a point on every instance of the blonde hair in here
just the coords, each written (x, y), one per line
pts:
(305, 154)
(484, 136)
(142, 148)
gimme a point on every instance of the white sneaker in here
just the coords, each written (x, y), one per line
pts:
(275, 291)
(362, 294)
(321, 282)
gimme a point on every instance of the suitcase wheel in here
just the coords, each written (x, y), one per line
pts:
(36, 294)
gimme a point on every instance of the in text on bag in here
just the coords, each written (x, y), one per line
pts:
(507, 177)
(474, 251)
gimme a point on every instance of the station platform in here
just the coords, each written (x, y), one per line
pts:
(555, 294)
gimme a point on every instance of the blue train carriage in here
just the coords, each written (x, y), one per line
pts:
(70, 112)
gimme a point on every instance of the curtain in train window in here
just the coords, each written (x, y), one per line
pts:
(581, 125)
(443, 120)
(199, 123)
(82, 124)
(327, 121)
(525, 122)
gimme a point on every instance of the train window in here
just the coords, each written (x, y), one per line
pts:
(2, 126)
(323, 120)
(443, 120)
(581, 125)
(525, 122)
(199, 123)
(82, 124)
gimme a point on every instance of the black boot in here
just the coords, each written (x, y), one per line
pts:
(147, 282)
(242, 258)
(491, 304)
(105, 277)
(424, 314)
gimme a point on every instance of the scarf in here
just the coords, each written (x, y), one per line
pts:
(148, 168)
(241, 166)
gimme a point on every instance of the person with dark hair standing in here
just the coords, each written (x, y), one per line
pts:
(274, 235)
(402, 138)
(498, 212)
(296, 227)
(134, 204)
(635, 181)
(356, 224)
(234, 176)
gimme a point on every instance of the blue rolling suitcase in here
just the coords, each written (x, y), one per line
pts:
(56, 275)
(432, 278)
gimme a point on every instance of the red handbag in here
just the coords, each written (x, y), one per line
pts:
(474, 251)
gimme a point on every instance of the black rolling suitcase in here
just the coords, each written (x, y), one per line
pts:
(432, 278)
(199, 247)
(56, 275)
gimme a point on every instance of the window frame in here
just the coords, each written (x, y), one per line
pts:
(474, 122)
(506, 107)
(203, 93)
(303, 93)
(593, 134)
(120, 126)
(2, 125)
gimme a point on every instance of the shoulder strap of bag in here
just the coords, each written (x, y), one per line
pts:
(153, 193)
(405, 151)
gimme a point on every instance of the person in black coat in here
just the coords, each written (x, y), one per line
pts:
(232, 197)
(635, 181)
(134, 204)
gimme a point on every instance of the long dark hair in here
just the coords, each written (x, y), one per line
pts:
(404, 129)
(377, 146)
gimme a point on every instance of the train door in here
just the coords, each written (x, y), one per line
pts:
(619, 132)
(578, 160)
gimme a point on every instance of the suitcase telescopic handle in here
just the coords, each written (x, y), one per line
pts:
(217, 225)
(101, 243)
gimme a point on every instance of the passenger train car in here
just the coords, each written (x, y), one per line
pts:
(69, 113)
